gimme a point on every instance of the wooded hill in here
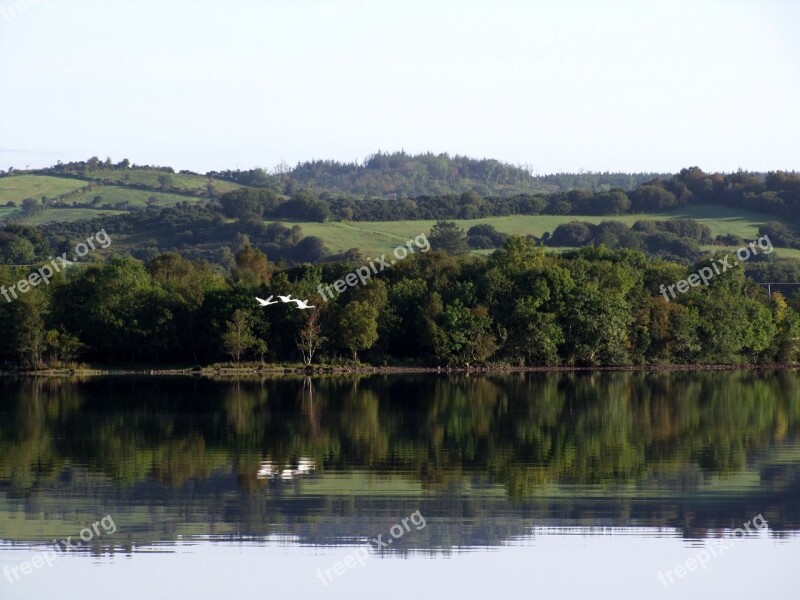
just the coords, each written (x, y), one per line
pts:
(150, 210)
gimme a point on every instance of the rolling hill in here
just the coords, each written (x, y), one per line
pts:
(92, 191)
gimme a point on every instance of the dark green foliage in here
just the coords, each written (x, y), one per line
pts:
(679, 239)
(571, 234)
(485, 236)
(449, 237)
(309, 249)
(21, 244)
(481, 242)
(779, 235)
(653, 198)
(730, 240)
(242, 203)
(593, 306)
(399, 186)
(685, 228)
(196, 231)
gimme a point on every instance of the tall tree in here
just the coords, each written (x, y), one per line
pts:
(252, 267)
(31, 341)
(358, 327)
(310, 338)
(238, 337)
(462, 336)
(447, 236)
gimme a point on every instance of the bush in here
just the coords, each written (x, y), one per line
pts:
(730, 240)
(573, 233)
(480, 242)
(484, 230)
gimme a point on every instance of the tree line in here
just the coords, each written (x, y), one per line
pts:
(195, 230)
(521, 306)
(776, 193)
(399, 186)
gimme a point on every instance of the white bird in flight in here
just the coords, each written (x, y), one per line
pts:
(302, 304)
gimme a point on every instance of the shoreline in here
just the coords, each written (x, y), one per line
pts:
(368, 370)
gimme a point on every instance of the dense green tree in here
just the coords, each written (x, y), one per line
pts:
(477, 236)
(16, 250)
(778, 234)
(31, 341)
(570, 234)
(62, 347)
(653, 198)
(463, 336)
(449, 237)
(238, 338)
(533, 336)
(116, 309)
(358, 327)
(252, 267)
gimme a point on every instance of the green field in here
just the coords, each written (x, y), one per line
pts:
(114, 195)
(149, 177)
(370, 237)
(381, 236)
(18, 188)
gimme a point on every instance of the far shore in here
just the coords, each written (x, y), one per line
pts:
(251, 370)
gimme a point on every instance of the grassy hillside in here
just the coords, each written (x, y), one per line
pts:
(113, 195)
(150, 178)
(84, 192)
(19, 188)
(382, 236)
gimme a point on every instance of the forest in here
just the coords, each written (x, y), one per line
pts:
(776, 193)
(520, 306)
(429, 186)
(178, 286)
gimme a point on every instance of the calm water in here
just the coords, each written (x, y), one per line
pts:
(604, 485)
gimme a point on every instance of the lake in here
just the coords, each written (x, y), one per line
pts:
(558, 485)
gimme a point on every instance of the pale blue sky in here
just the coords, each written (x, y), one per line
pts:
(559, 85)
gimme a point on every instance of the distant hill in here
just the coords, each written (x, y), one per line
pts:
(404, 175)
(78, 191)
(153, 209)
(66, 191)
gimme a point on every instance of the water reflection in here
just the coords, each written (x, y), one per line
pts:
(330, 460)
(269, 469)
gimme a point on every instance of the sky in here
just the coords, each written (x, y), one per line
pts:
(567, 85)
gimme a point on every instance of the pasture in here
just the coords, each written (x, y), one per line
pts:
(381, 236)
(18, 188)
